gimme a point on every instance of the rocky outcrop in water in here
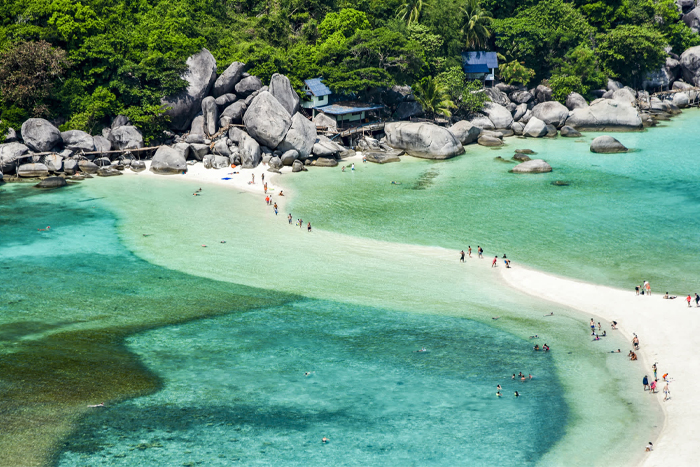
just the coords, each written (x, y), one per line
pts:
(607, 145)
(533, 166)
(423, 140)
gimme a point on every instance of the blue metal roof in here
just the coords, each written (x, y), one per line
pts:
(338, 109)
(480, 68)
(317, 88)
(490, 59)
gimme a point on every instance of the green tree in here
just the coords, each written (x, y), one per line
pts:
(476, 25)
(515, 72)
(347, 22)
(542, 34)
(563, 85)
(581, 63)
(28, 73)
(468, 96)
(433, 97)
(410, 11)
(629, 52)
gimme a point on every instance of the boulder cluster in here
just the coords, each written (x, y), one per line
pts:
(230, 119)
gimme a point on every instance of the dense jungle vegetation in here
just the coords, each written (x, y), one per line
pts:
(80, 62)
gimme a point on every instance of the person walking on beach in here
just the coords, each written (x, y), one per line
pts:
(308, 227)
(636, 289)
(647, 287)
(275, 206)
(688, 299)
(262, 179)
(469, 250)
(697, 300)
(252, 179)
(265, 188)
(352, 167)
(461, 257)
(635, 342)
(494, 263)
(653, 367)
(301, 223)
(480, 251)
(592, 325)
(667, 392)
(290, 218)
(645, 382)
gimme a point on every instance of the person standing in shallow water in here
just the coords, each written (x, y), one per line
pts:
(461, 257)
(308, 227)
(469, 250)
(480, 251)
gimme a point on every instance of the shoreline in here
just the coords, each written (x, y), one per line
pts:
(548, 291)
(669, 345)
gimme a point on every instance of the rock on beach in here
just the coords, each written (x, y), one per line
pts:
(424, 140)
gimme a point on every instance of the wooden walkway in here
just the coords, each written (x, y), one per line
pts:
(362, 129)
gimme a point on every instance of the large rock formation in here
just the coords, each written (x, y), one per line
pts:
(54, 162)
(499, 115)
(40, 135)
(77, 140)
(248, 85)
(126, 137)
(282, 90)
(52, 182)
(575, 101)
(324, 121)
(465, 132)
(551, 113)
(250, 152)
(9, 153)
(605, 115)
(483, 122)
(266, 120)
(200, 76)
(32, 170)
(168, 161)
(300, 137)
(87, 166)
(607, 145)
(690, 65)
(543, 93)
(229, 78)
(497, 96)
(533, 166)
(692, 19)
(233, 113)
(423, 140)
(101, 143)
(210, 112)
(535, 128)
(625, 95)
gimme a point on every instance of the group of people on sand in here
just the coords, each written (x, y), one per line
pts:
(645, 288)
(651, 385)
(480, 252)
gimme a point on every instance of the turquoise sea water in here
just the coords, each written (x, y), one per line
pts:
(377, 279)
(623, 219)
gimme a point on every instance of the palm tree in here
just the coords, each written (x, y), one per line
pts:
(476, 22)
(410, 11)
(433, 97)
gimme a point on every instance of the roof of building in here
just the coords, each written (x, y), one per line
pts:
(343, 108)
(480, 68)
(317, 87)
(490, 59)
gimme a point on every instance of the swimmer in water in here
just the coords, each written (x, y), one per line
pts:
(551, 314)
(498, 387)
(498, 393)
(495, 317)
(223, 241)
(324, 440)
(422, 349)
(307, 374)
(529, 375)
(513, 376)
(535, 337)
(101, 404)
(517, 394)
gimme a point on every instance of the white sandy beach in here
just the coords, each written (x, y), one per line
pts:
(666, 331)
(665, 327)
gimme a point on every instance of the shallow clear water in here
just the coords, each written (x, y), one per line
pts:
(350, 302)
(623, 218)
(368, 391)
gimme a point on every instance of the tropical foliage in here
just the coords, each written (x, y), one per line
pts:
(79, 62)
(433, 97)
